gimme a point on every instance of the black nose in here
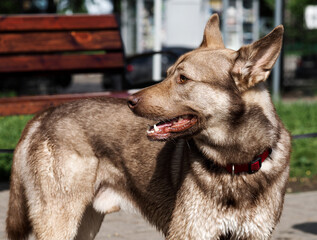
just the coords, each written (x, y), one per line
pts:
(133, 101)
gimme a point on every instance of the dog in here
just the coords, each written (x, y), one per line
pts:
(201, 155)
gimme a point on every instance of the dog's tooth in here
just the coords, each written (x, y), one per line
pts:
(156, 129)
(180, 119)
(150, 131)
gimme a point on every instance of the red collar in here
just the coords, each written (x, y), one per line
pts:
(251, 167)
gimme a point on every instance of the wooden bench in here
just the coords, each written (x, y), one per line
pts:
(46, 44)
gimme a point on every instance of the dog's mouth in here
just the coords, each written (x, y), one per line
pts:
(164, 129)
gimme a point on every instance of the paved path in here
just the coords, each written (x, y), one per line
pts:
(299, 221)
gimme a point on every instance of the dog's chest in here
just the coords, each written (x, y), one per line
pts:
(204, 212)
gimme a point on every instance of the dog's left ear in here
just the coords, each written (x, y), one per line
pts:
(255, 61)
(212, 35)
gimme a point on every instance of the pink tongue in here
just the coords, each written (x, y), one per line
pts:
(163, 129)
(180, 122)
(173, 125)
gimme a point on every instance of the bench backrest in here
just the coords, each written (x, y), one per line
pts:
(56, 43)
(46, 44)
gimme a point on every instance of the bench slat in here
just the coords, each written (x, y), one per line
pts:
(57, 22)
(59, 41)
(60, 63)
(39, 44)
(32, 105)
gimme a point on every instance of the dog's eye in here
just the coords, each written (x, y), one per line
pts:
(182, 79)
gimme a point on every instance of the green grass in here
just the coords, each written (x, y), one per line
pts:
(10, 132)
(299, 118)
(8, 94)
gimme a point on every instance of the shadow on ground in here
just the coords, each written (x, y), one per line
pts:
(310, 227)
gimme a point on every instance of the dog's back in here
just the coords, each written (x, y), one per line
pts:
(55, 164)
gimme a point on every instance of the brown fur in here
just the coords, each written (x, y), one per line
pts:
(79, 161)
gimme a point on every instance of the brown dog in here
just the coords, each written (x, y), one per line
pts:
(218, 172)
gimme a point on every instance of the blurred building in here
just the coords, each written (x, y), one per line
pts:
(184, 21)
(240, 22)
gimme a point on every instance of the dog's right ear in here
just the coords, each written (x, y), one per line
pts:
(254, 62)
(212, 35)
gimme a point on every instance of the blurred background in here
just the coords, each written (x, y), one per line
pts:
(176, 26)
(181, 24)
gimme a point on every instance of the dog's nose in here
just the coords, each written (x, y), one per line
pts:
(133, 101)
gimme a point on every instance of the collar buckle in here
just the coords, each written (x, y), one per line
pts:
(255, 165)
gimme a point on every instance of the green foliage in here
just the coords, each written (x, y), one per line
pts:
(16, 6)
(10, 7)
(297, 7)
(270, 4)
(298, 38)
(75, 6)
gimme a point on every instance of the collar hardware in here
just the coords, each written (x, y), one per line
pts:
(251, 167)
(255, 165)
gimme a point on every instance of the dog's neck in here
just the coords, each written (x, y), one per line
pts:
(239, 142)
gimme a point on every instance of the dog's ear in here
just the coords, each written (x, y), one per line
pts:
(254, 62)
(212, 35)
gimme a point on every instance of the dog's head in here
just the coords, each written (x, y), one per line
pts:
(206, 86)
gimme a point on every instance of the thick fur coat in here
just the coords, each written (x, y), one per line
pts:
(166, 158)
